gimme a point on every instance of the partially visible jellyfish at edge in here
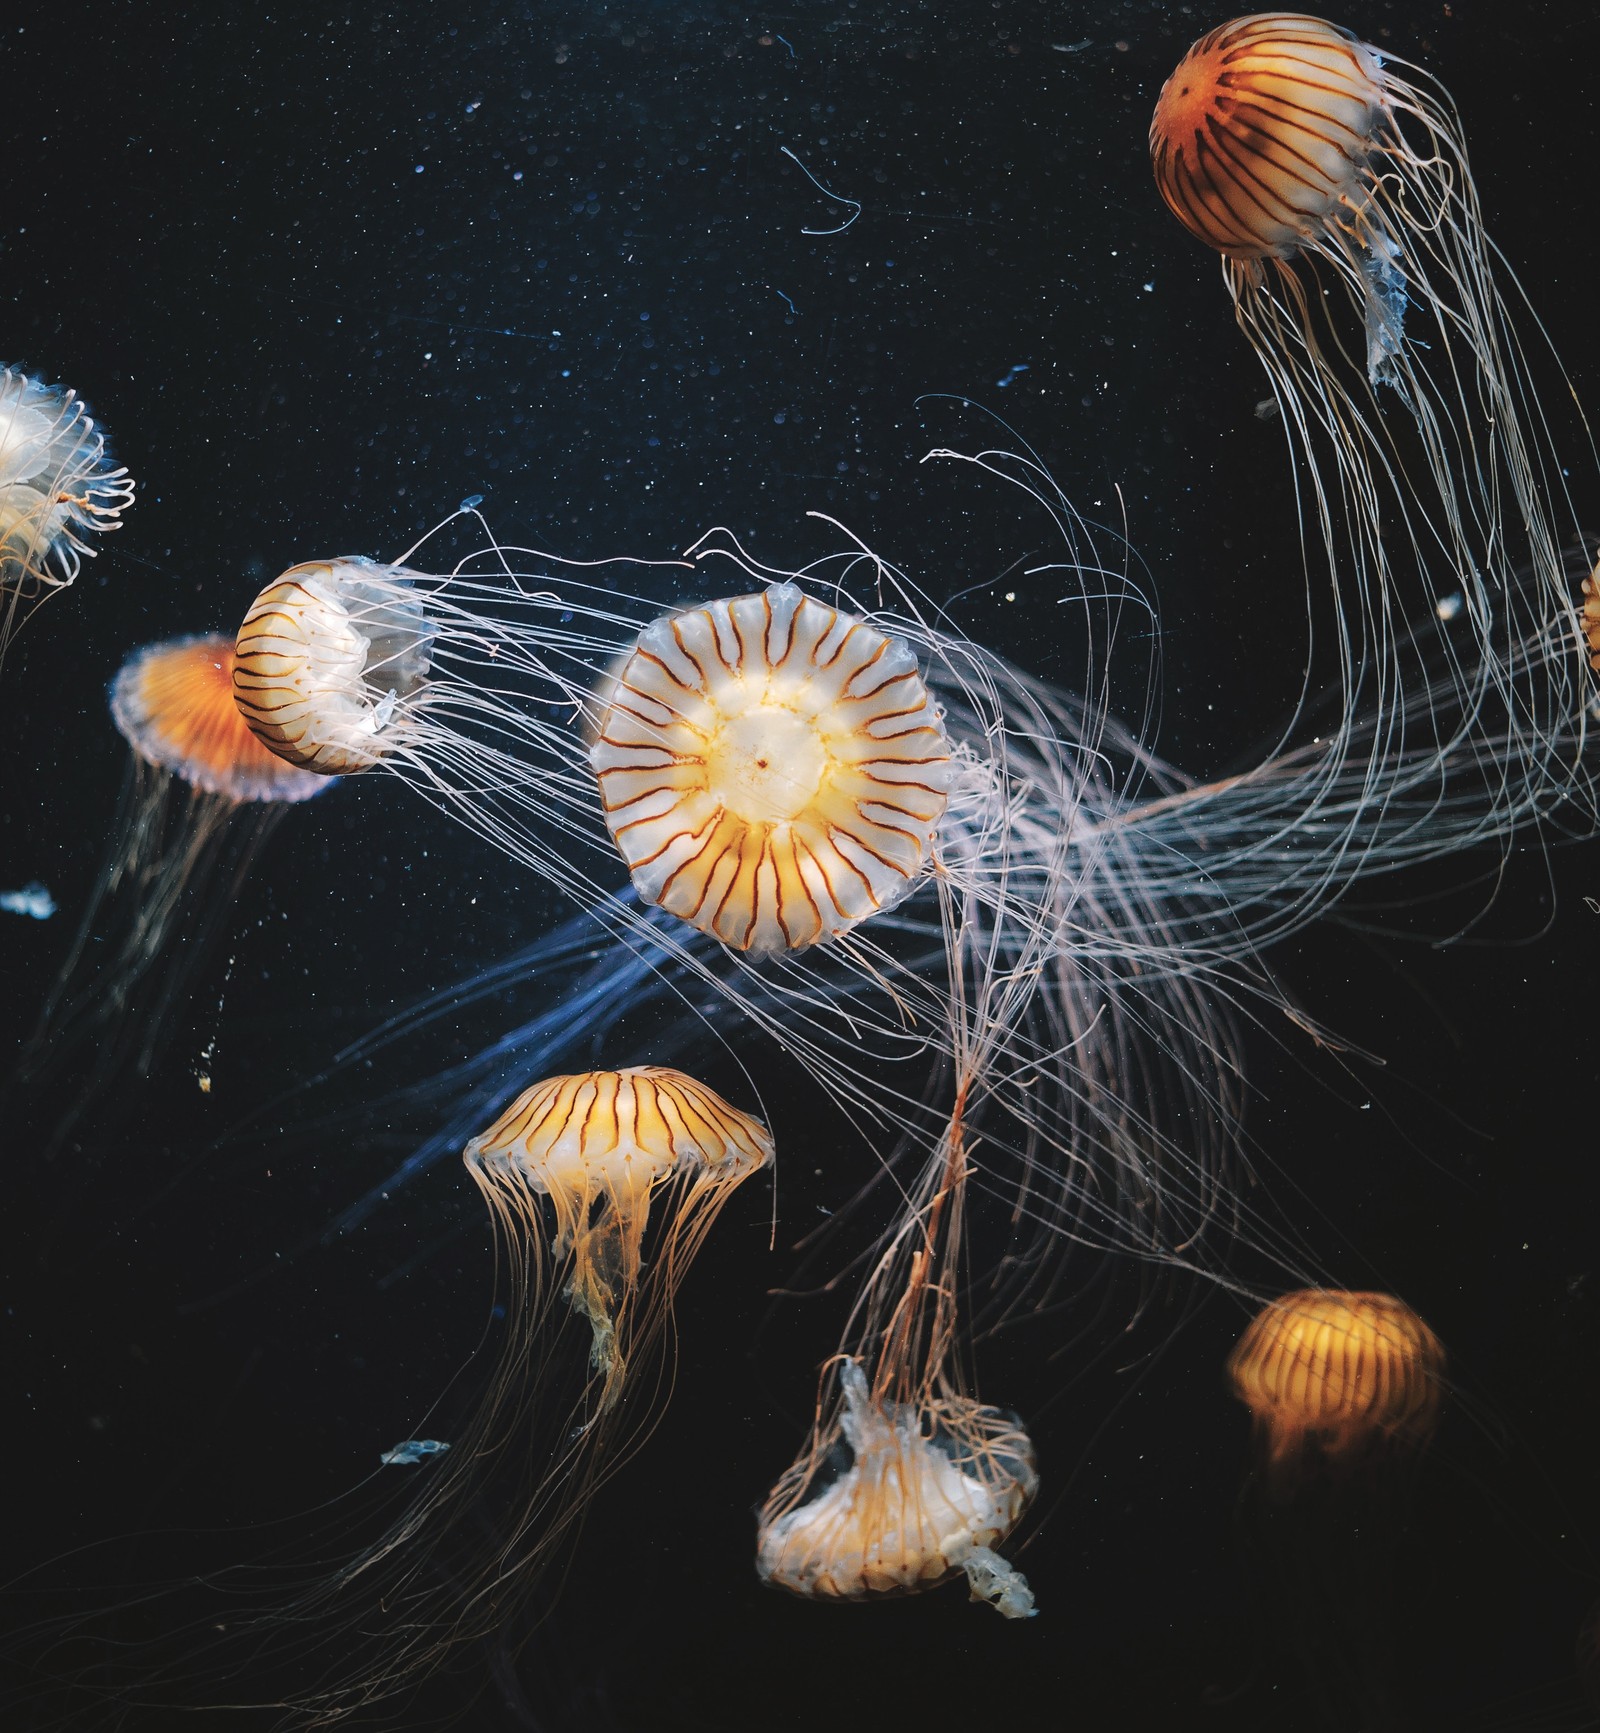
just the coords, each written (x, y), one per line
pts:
(58, 488)
(1589, 616)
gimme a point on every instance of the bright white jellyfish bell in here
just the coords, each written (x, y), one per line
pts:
(928, 1492)
(58, 487)
(329, 662)
(772, 770)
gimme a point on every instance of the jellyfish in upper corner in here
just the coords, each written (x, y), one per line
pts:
(59, 488)
(1431, 426)
(200, 796)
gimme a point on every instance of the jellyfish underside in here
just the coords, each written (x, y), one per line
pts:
(771, 769)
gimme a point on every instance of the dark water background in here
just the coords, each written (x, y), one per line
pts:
(323, 272)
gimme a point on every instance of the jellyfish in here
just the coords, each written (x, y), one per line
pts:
(771, 769)
(1344, 1392)
(200, 797)
(58, 487)
(924, 1494)
(595, 1150)
(1330, 1376)
(1334, 182)
(601, 1188)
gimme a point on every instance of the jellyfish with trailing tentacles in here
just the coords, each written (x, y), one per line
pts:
(602, 1187)
(199, 798)
(1333, 180)
(597, 1150)
(58, 487)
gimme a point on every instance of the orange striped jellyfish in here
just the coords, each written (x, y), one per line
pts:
(58, 489)
(591, 1155)
(602, 1186)
(199, 798)
(1332, 1376)
(1333, 180)
(1344, 1391)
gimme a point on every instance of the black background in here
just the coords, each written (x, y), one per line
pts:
(322, 273)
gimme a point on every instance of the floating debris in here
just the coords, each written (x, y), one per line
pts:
(413, 1450)
(32, 900)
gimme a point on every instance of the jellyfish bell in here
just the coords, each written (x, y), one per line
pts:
(1333, 1376)
(1261, 134)
(58, 487)
(928, 1493)
(173, 703)
(597, 1148)
(327, 656)
(772, 769)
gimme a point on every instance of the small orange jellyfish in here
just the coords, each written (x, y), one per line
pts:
(200, 797)
(1333, 180)
(772, 769)
(58, 486)
(1331, 1375)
